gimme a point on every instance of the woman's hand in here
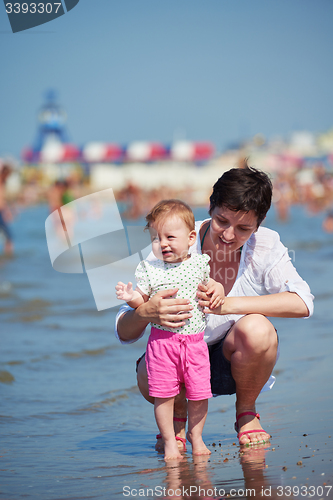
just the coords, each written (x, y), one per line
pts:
(166, 311)
(160, 309)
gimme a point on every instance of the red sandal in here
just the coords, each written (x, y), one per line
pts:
(240, 434)
(178, 438)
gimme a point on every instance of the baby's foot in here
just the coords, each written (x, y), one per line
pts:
(198, 446)
(171, 450)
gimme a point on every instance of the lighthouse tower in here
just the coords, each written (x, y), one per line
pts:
(52, 120)
(51, 144)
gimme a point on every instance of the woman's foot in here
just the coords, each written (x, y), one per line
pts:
(249, 428)
(198, 446)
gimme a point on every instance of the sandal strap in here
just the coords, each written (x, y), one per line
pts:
(183, 440)
(178, 438)
(258, 431)
(247, 413)
(243, 415)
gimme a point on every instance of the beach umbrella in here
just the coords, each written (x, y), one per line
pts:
(191, 151)
(101, 152)
(57, 152)
(142, 151)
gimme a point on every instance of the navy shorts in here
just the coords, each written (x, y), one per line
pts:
(221, 380)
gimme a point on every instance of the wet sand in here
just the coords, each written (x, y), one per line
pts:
(73, 424)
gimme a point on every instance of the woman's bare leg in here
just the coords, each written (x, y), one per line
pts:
(142, 379)
(197, 413)
(180, 404)
(163, 408)
(251, 348)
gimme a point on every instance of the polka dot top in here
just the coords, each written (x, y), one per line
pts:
(154, 276)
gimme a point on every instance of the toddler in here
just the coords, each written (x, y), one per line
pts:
(179, 355)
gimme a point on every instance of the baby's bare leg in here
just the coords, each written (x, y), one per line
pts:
(164, 408)
(197, 413)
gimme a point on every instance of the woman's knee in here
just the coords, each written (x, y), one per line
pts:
(256, 333)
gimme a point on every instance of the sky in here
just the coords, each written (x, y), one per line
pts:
(153, 70)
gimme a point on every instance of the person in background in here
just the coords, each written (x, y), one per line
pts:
(328, 222)
(5, 213)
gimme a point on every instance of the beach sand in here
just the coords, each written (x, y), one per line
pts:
(74, 425)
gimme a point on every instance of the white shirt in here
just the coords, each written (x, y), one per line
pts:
(265, 267)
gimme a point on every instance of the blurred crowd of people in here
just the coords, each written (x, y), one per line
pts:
(311, 188)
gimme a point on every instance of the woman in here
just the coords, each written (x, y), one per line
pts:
(259, 281)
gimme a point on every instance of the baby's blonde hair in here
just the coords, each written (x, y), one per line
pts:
(169, 208)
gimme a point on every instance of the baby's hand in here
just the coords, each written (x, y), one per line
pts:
(216, 293)
(124, 292)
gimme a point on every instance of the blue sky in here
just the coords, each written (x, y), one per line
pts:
(156, 70)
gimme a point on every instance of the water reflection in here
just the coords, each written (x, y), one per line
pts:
(252, 460)
(194, 478)
(186, 478)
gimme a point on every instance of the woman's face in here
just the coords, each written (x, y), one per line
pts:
(229, 230)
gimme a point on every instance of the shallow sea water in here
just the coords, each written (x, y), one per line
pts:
(73, 424)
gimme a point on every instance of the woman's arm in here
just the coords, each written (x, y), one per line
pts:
(279, 305)
(130, 326)
(159, 309)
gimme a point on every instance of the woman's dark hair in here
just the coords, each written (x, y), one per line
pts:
(243, 189)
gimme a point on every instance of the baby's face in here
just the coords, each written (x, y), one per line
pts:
(171, 239)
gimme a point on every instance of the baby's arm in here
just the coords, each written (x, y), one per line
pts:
(216, 293)
(134, 298)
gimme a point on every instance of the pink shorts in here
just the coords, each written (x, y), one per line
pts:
(174, 359)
